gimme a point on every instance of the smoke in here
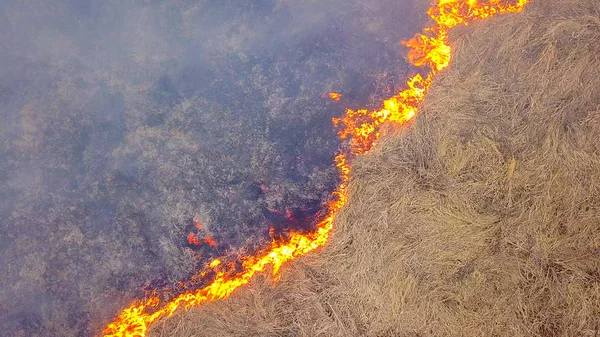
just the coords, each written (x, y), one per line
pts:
(123, 121)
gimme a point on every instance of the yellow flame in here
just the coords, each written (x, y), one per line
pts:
(429, 49)
(214, 263)
(335, 96)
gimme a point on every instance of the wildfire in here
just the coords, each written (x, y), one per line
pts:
(335, 96)
(193, 240)
(430, 50)
(210, 241)
(197, 224)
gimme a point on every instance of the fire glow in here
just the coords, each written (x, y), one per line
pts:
(430, 50)
(335, 96)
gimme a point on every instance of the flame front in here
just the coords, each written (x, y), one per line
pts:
(430, 50)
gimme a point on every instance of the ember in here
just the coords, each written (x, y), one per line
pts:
(193, 240)
(335, 96)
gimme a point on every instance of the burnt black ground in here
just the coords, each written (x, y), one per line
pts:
(121, 122)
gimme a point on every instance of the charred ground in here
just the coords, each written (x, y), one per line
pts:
(123, 122)
(479, 219)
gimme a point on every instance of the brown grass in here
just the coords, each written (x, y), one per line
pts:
(481, 219)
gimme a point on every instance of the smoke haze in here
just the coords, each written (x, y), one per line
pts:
(125, 124)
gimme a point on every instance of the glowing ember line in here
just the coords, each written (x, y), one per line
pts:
(431, 50)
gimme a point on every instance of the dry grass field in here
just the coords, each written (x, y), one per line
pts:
(481, 218)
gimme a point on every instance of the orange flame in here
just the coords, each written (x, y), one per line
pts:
(430, 49)
(193, 240)
(335, 96)
(197, 224)
(210, 241)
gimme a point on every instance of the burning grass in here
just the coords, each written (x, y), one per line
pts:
(479, 219)
(364, 127)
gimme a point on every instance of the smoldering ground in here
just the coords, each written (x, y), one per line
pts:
(122, 122)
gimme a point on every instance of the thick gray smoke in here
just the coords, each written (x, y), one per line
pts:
(123, 121)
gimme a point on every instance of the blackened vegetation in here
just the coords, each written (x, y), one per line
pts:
(481, 218)
(123, 124)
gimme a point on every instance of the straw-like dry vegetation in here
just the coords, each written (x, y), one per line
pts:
(480, 219)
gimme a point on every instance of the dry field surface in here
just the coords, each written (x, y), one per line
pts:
(481, 218)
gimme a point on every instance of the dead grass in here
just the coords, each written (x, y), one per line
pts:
(481, 219)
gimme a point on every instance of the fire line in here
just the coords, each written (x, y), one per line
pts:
(430, 50)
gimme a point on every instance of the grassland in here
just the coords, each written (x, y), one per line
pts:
(482, 218)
